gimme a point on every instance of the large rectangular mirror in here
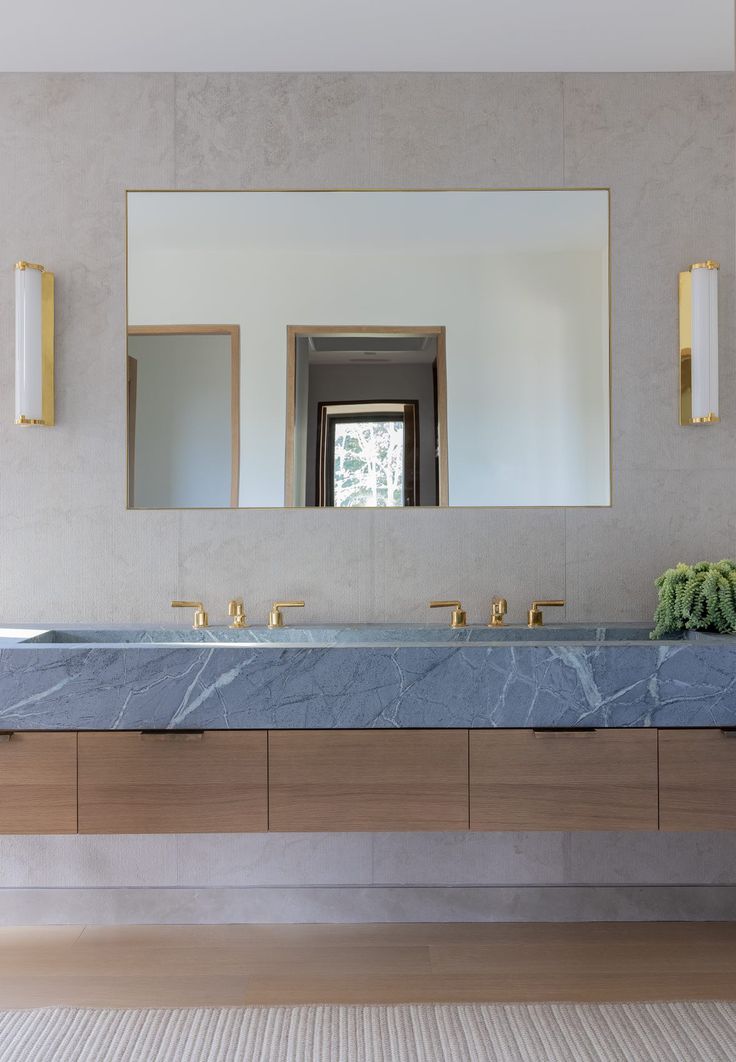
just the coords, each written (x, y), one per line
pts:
(356, 349)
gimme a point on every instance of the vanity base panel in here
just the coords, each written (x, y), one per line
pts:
(173, 782)
(237, 781)
(697, 778)
(38, 783)
(563, 780)
(342, 780)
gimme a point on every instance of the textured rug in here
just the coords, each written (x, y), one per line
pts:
(550, 1032)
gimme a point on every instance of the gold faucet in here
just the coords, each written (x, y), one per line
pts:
(201, 619)
(236, 609)
(534, 615)
(499, 608)
(459, 616)
(275, 619)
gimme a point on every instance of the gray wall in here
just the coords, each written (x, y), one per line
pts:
(183, 422)
(69, 146)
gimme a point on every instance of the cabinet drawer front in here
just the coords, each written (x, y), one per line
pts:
(38, 783)
(368, 780)
(697, 780)
(212, 782)
(563, 780)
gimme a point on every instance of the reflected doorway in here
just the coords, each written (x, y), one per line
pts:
(183, 384)
(366, 417)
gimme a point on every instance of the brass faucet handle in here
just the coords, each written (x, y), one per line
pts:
(236, 610)
(201, 619)
(535, 617)
(459, 615)
(499, 608)
(275, 618)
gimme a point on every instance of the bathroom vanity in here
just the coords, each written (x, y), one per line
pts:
(365, 728)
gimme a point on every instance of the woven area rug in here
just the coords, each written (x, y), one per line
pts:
(550, 1032)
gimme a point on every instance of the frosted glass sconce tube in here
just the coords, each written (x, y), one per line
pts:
(34, 344)
(699, 344)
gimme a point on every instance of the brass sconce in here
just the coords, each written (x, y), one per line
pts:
(34, 344)
(699, 344)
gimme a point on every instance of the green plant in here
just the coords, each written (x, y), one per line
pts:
(696, 597)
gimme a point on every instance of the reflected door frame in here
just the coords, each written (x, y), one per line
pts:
(294, 332)
(195, 330)
(132, 399)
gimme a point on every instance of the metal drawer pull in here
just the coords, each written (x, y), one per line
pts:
(6, 735)
(561, 731)
(728, 731)
(172, 735)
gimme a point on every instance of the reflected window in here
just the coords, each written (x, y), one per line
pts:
(369, 455)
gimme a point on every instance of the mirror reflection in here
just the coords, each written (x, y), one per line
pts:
(368, 417)
(354, 349)
(183, 416)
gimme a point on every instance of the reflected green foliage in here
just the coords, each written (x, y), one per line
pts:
(369, 463)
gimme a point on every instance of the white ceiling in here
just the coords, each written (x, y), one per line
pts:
(369, 35)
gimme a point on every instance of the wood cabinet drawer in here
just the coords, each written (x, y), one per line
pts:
(697, 780)
(173, 782)
(368, 780)
(563, 780)
(38, 783)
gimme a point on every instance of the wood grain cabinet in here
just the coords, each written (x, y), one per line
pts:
(563, 779)
(697, 779)
(173, 782)
(352, 780)
(38, 783)
(368, 780)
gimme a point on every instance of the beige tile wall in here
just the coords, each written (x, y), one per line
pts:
(71, 144)
(69, 147)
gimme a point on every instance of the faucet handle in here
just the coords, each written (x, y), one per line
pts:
(275, 619)
(459, 615)
(201, 619)
(534, 615)
(499, 608)
(236, 609)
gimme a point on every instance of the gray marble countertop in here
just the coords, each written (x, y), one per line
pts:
(323, 635)
(601, 675)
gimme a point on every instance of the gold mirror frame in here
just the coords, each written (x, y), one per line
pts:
(398, 191)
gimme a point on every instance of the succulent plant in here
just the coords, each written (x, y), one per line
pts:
(696, 597)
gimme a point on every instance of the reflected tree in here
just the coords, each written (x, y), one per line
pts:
(369, 463)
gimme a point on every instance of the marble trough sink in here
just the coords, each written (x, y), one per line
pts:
(135, 678)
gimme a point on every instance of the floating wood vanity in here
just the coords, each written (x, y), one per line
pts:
(361, 728)
(382, 780)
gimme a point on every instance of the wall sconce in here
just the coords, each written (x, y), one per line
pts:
(34, 344)
(699, 344)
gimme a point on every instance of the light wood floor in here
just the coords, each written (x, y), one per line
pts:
(235, 965)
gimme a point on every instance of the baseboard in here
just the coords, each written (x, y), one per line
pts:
(126, 906)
